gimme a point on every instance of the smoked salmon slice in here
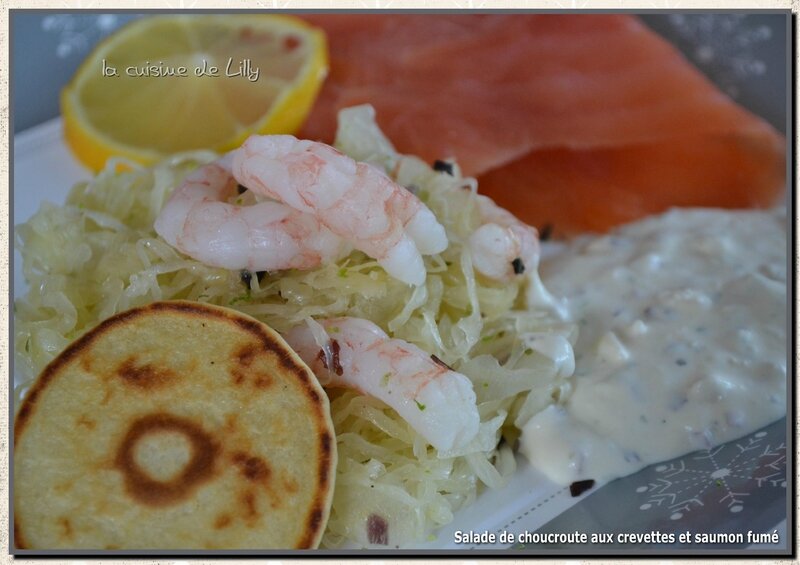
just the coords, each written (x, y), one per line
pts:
(580, 121)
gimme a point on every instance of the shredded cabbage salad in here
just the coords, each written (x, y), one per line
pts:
(98, 255)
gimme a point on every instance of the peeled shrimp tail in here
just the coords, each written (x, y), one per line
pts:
(354, 200)
(266, 236)
(436, 401)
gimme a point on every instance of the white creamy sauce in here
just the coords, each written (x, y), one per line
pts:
(681, 342)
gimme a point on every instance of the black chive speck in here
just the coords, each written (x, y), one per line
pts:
(519, 266)
(546, 233)
(579, 487)
(439, 362)
(443, 167)
(245, 276)
(240, 189)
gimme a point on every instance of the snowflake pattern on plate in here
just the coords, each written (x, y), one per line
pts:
(725, 42)
(724, 476)
(78, 33)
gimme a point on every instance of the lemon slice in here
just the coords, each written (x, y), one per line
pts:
(167, 84)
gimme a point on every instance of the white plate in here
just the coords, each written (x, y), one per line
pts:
(44, 170)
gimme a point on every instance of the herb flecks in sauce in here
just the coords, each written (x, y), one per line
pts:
(682, 318)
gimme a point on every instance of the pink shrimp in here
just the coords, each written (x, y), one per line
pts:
(265, 236)
(354, 200)
(436, 401)
(503, 247)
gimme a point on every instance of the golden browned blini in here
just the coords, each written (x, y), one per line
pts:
(175, 425)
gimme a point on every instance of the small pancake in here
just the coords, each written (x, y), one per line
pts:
(178, 425)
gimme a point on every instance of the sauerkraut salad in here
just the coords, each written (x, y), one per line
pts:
(98, 255)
